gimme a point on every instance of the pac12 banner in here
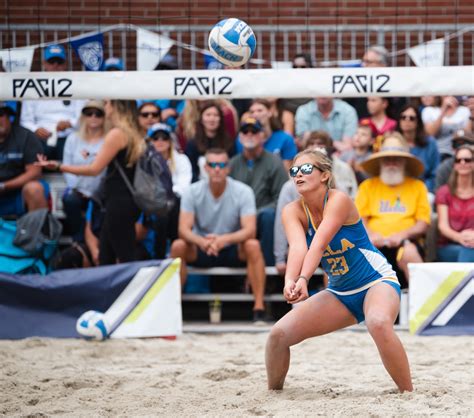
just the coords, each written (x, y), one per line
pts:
(441, 298)
(205, 84)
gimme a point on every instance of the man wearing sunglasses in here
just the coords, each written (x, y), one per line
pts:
(19, 185)
(217, 227)
(52, 120)
(265, 173)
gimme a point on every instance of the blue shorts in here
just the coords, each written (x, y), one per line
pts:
(355, 302)
(11, 203)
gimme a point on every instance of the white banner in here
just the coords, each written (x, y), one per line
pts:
(203, 84)
(17, 60)
(429, 54)
(151, 48)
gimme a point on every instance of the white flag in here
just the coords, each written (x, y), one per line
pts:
(17, 60)
(282, 64)
(428, 54)
(151, 48)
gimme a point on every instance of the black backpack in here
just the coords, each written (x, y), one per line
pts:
(152, 188)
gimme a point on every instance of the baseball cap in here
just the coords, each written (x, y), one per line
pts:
(54, 51)
(251, 123)
(9, 106)
(94, 104)
(158, 127)
(113, 64)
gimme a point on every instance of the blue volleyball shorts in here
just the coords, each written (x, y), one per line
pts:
(355, 302)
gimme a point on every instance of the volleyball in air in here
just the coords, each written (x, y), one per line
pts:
(92, 326)
(232, 42)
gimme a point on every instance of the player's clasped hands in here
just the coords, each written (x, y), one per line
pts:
(295, 291)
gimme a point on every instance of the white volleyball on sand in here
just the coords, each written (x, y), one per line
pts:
(232, 42)
(92, 325)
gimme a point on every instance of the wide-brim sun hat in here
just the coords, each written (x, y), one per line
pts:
(394, 145)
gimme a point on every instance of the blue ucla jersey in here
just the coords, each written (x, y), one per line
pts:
(350, 260)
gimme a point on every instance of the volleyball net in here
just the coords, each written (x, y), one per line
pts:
(196, 84)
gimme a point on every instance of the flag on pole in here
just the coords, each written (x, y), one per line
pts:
(151, 48)
(17, 60)
(428, 54)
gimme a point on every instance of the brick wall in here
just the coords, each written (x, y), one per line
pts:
(256, 12)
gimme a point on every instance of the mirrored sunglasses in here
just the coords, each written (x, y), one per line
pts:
(306, 169)
(221, 165)
(93, 112)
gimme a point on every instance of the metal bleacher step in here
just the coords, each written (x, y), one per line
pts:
(228, 297)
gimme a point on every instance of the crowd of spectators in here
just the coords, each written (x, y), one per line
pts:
(408, 164)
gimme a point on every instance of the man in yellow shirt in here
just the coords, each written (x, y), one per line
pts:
(394, 204)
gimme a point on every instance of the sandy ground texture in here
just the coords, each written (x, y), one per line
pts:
(224, 375)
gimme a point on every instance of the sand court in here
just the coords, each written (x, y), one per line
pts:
(224, 375)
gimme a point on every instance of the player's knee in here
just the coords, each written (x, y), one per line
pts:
(378, 323)
(277, 337)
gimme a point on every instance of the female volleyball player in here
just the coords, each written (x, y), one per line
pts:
(325, 226)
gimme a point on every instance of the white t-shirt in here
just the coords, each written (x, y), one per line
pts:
(449, 125)
(182, 173)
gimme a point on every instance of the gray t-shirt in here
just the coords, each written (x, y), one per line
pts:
(222, 215)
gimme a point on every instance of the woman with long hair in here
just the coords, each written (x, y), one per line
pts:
(325, 227)
(189, 120)
(277, 141)
(455, 207)
(166, 226)
(81, 148)
(285, 118)
(149, 113)
(123, 145)
(422, 146)
(210, 133)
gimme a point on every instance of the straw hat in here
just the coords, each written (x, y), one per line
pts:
(394, 145)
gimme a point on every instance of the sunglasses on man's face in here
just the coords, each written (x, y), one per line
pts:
(93, 112)
(408, 117)
(57, 61)
(306, 169)
(149, 114)
(214, 165)
(247, 131)
(460, 160)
